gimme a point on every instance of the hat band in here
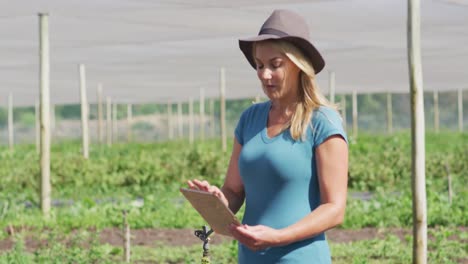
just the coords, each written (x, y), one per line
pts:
(272, 31)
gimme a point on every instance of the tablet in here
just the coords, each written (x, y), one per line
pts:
(212, 209)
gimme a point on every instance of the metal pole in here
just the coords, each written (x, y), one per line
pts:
(222, 99)
(84, 112)
(44, 105)
(418, 182)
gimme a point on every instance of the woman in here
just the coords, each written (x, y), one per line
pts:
(290, 157)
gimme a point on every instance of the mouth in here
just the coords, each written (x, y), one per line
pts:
(269, 86)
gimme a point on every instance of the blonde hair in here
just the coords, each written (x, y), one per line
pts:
(310, 96)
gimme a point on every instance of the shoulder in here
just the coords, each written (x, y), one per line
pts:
(326, 115)
(255, 110)
(326, 122)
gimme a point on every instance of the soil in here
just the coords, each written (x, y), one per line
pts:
(186, 237)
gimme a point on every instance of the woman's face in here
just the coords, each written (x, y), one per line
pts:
(278, 74)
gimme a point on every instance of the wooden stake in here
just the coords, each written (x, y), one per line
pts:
(109, 121)
(129, 122)
(202, 114)
(343, 111)
(52, 118)
(212, 118)
(44, 105)
(436, 111)
(37, 126)
(449, 182)
(418, 182)
(355, 115)
(10, 122)
(180, 121)
(460, 110)
(100, 114)
(389, 114)
(115, 133)
(331, 82)
(126, 232)
(170, 129)
(191, 121)
(222, 99)
(84, 112)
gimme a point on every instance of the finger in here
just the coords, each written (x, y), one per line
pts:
(191, 184)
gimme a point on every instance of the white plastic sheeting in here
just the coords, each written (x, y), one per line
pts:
(159, 50)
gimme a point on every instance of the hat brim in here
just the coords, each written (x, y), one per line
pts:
(304, 45)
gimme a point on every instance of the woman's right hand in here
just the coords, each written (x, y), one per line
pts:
(207, 187)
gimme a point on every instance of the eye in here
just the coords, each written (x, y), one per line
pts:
(259, 66)
(276, 64)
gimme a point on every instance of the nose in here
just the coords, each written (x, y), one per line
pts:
(264, 74)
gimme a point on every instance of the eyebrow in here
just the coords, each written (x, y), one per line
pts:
(272, 59)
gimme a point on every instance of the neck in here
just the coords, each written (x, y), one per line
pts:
(284, 107)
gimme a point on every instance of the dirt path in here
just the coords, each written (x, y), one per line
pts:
(186, 237)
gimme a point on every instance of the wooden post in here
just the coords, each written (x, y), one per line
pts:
(202, 114)
(389, 114)
(449, 182)
(100, 114)
(126, 231)
(222, 99)
(418, 182)
(180, 121)
(436, 111)
(212, 118)
(37, 126)
(109, 121)
(355, 115)
(170, 131)
(191, 121)
(84, 112)
(331, 83)
(10, 122)
(44, 105)
(343, 111)
(129, 122)
(115, 133)
(52, 118)
(460, 110)
(257, 99)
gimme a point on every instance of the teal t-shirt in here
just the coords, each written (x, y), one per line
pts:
(280, 181)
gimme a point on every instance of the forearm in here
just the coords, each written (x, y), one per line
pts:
(324, 217)
(235, 200)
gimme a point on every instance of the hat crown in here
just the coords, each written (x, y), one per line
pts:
(285, 23)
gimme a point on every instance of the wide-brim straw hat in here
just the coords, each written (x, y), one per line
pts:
(289, 26)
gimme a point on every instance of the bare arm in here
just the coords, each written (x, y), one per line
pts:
(233, 187)
(332, 169)
(232, 192)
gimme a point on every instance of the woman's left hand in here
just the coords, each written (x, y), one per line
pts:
(256, 237)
